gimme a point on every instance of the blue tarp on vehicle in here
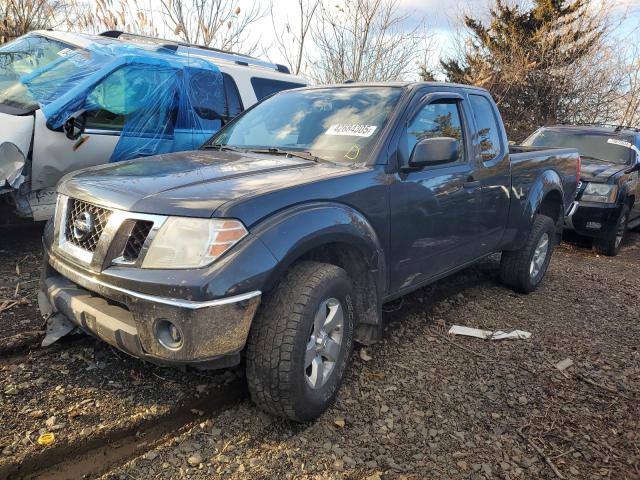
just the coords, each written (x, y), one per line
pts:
(163, 100)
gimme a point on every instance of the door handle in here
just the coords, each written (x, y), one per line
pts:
(472, 185)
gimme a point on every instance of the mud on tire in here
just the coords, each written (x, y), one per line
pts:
(516, 268)
(281, 336)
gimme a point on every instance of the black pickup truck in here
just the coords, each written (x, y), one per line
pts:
(282, 237)
(606, 202)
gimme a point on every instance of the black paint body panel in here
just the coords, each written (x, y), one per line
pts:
(412, 226)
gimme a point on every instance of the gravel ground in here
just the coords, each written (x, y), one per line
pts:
(424, 405)
(20, 260)
(420, 404)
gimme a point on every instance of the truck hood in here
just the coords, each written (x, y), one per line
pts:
(15, 141)
(192, 183)
(598, 171)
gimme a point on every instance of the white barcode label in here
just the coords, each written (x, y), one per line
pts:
(351, 130)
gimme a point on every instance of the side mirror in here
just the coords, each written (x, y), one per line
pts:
(430, 151)
(75, 125)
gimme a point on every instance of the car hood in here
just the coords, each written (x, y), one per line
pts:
(598, 171)
(192, 183)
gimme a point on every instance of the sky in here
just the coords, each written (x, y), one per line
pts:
(440, 18)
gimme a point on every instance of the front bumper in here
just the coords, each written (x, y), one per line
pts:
(593, 219)
(213, 332)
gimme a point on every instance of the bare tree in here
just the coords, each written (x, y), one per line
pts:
(629, 101)
(18, 17)
(427, 59)
(364, 40)
(213, 23)
(133, 16)
(291, 36)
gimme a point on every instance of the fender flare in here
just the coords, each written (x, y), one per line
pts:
(291, 233)
(547, 183)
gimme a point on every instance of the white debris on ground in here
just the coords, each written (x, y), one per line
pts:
(489, 335)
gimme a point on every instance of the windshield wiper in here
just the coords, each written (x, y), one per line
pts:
(222, 147)
(291, 153)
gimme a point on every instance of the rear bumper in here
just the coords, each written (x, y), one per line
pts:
(212, 332)
(592, 219)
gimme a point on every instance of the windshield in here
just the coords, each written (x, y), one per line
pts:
(589, 145)
(22, 57)
(334, 124)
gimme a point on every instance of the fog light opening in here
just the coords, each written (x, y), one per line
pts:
(168, 334)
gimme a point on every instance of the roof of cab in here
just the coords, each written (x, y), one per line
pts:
(83, 40)
(398, 84)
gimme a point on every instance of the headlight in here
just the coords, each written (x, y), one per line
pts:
(600, 192)
(192, 242)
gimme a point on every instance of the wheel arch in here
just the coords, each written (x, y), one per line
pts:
(335, 234)
(552, 205)
(546, 197)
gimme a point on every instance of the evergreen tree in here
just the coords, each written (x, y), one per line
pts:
(526, 59)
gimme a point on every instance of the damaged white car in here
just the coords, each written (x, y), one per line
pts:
(70, 101)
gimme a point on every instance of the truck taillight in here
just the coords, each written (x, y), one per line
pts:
(578, 172)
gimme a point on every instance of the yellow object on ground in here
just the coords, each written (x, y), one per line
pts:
(46, 439)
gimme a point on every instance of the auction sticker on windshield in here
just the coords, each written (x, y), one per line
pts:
(351, 130)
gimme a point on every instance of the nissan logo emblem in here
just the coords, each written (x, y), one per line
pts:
(83, 226)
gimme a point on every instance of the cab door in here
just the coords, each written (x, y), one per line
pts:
(55, 155)
(492, 173)
(434, 210)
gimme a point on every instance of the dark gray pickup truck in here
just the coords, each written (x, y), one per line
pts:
(280, 239)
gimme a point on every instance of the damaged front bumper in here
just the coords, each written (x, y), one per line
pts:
(164, 331)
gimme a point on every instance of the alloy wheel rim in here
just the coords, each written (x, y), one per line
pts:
(324, 344)
(539, 256)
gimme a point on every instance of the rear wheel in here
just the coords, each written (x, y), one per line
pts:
(523, 269)
(301, 341)
(610, 244)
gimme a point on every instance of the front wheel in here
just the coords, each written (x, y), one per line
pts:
(301, 341)
(610, 244)
(523, 269)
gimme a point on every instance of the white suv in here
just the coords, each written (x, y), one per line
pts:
(69, 101)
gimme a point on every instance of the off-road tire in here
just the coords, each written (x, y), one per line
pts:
(515, 265)
(607, 245)
(278, 340)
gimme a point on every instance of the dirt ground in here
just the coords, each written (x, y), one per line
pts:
(420, 404)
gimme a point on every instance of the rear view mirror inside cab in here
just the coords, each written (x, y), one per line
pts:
(431, 151)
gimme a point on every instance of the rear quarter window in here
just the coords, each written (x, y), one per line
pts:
(488, 129)
(212, 104)
(263, 87)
